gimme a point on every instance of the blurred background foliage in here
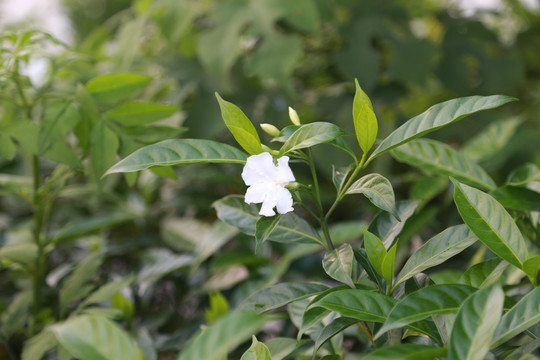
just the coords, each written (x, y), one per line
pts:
(263, 56)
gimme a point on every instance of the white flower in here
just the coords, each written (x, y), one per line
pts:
(267, 181)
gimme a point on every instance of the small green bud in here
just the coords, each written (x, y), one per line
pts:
(294, 116)
(270, 129)
(293, 185)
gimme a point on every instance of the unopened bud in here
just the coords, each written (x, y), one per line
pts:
(293, 185)
(294, 116)
(270, 129)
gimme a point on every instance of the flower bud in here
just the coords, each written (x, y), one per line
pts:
(294, 116)
(270, 129)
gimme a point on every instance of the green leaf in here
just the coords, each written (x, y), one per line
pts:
(363, 259)
(365, 121)
(441, 159)
(89, 337)
(425, 302)
(58, 120)
(331, 330)
(263, 228)
(8, 149)
(279, 295)
(475, 324)
(491, 140)
(179, 152)
(438, 116)
(520, 317)
(375, 250)
(234, 211)
(104, 144)
(281, 347)
(38, 345)
(491, 223)
(72, 287)
(531, 267)
(140, 114)
(524, 175)
(339, 175)
(106, 291)
(388, 264)
(386, 227)
(257, 351)
(219, 307)
(240, 127)
(309, 135)
(437, 250)
(338, 264)
(222, 336)
(517, 198)
(406, 352)
(23, 252)
(358, 304)
(302, 14)
(378, 190)
(111, 88)
(484, 273)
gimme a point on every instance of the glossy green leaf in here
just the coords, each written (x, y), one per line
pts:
(406, 352)
(90, 337)
(263, 228)
(375, 250)
(520, 317)
(365, 121)
(491, 140)
(233, 211)
(491, 223)
(484, 273)
(282, 347)
(386, 227)
(257, 351)
(104, 144)
(339, 175)
(111, 88)
(531, 266)
(279, 295)
(437, 250)
(523, 175)
(35, 347)
(22, 252)
(517, 198)
(363, 259)
(358, 304)
(388, 264)
(438, 116)
(240, 127)
(338, 264)
(139, 114)
(475, 324)
(329, 331)
(222, 336)
(106, 291)
(179, 152)
(310, 135)
(441, 159)
(378, 190)
(425, 302)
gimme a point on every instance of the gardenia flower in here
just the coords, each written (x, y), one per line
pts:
(266, 182)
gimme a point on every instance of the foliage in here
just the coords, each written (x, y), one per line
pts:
(123, 234)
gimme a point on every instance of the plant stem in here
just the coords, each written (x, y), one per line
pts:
(368, 333)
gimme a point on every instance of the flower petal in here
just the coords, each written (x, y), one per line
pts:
(270, 201)
(259, 168)
(284, 173)
(284, 200)
(256, 193)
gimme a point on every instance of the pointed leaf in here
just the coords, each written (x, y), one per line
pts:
(38, 345)
(331, 330)
(437, 250)
(441, 159)
(475, 324)
(358, 304)
(520, 317)
(263, 228)
(89, 337)
(104, 143)
(106, 291)
(378, 190)
(257, 351)
(338, 264)
(240, 127)
(363, 259)
(386, 227)
(279, 295)
(524, 175)
(310, 135)
(375, 250)
(484, 273)
(365, 121)
(222, 336)
(438, 116)
(388, 263)
(531, 267)
(179, 152)
(291, 228)
(425, 302)
(339, 175)
(517, 198)
(406, 352)
(491, 223)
